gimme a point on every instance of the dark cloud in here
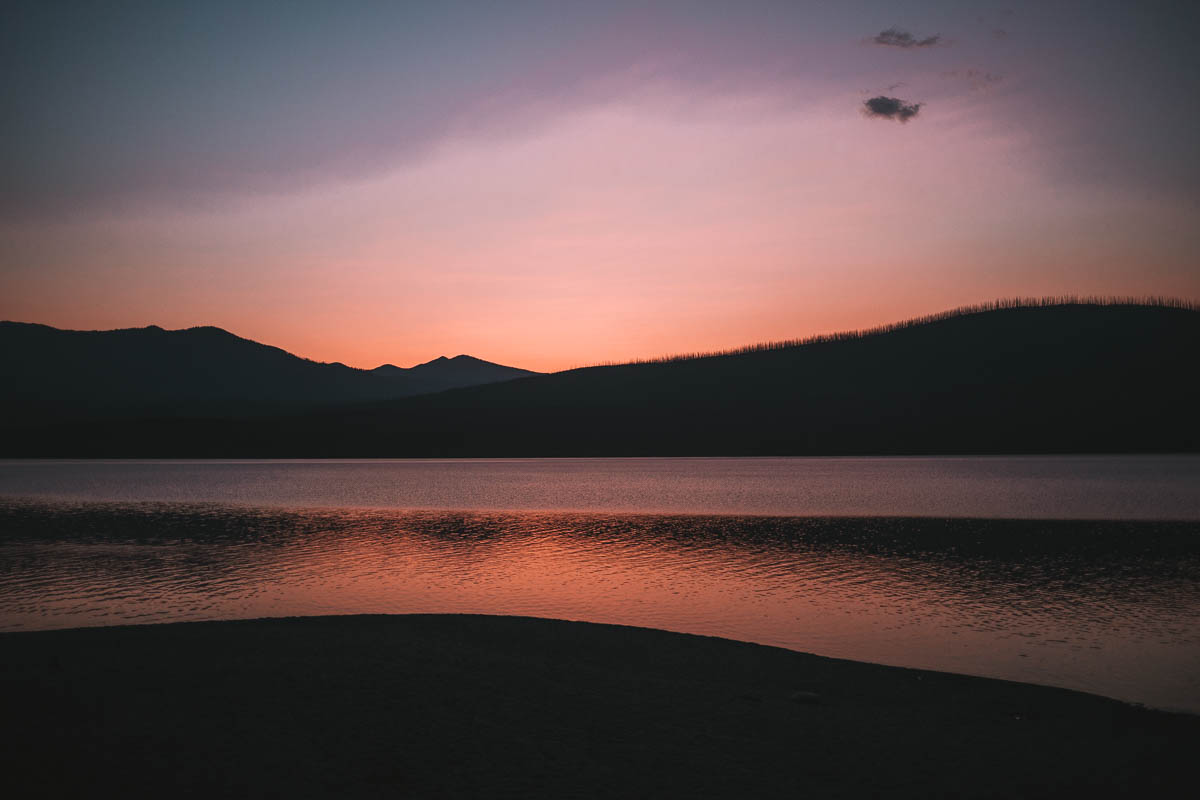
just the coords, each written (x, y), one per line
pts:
(895, 37)
(891, 108)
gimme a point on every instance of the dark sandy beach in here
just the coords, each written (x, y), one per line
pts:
(472, 706)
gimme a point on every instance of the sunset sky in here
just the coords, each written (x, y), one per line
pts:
(554, 184)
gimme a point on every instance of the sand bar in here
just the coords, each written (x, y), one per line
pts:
(477, 706)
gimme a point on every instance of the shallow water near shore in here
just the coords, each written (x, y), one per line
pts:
(1106, 606)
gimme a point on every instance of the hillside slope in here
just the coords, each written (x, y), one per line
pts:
(1074, 377)
(1061, 378)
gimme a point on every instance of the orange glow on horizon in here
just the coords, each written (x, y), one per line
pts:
(618, 233)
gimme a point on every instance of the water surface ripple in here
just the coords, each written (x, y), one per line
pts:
(1111, 607)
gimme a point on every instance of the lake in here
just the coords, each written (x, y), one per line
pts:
(1081, 572)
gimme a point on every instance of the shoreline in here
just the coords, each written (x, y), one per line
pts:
(466, 705)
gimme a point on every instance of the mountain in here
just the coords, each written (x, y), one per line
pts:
(50, 374)
(1043, 377)
(449, 373)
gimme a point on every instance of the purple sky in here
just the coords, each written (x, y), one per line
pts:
(554, 184)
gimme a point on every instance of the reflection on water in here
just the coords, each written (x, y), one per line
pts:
(1030, 487)
(1107, 607)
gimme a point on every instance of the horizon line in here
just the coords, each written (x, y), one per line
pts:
(999, 304)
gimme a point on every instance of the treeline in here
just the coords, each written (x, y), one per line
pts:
(1000, 304)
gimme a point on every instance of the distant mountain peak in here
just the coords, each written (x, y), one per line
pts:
(462, 364)
(440, 360)
(461, 360)
(200, 371)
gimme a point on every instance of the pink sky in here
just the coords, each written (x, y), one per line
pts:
(648, 208)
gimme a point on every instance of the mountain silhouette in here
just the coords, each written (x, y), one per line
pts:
(51, 374)
(1013, 377)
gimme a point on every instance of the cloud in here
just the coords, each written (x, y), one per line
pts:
(891, 108)
(895, 37)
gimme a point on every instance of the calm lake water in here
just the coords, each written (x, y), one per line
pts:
(1077, 572)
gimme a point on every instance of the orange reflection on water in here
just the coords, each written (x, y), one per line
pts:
(1112, 608)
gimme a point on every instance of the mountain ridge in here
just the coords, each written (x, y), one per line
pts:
(200, 370)
(216, 329)
(1044, 377)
